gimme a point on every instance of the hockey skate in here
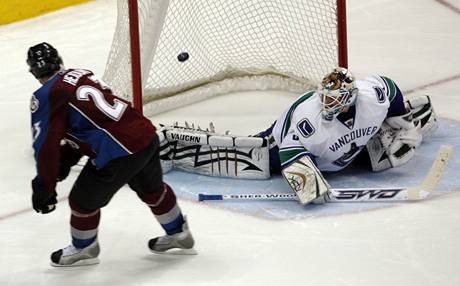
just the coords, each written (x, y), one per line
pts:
(71, 256)
(179, 243)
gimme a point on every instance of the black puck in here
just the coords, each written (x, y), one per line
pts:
(182, 57)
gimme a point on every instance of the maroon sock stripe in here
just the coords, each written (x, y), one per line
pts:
(83, 219)
(159, 202)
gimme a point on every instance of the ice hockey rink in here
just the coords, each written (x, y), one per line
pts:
(414, 42)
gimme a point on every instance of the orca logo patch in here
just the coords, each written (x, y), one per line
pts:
(380, 93)
(305, 128)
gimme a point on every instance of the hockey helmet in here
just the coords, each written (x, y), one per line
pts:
(43, 60)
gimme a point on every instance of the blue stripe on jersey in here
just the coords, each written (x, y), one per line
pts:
(101, 141)
(40, 117)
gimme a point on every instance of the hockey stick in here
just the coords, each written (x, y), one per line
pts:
(419, 192)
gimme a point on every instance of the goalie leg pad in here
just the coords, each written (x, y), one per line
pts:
(423, 111)
(305, 180)
(165, 151)
(212, 154)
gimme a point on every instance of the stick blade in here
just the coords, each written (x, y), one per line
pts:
(428, 185)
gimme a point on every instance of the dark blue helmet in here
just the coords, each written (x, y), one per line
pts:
(43, 60)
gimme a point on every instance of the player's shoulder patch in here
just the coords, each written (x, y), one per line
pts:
(305, 128)
(34, 103)
(376, 89)
(380, 93)
(390, 87)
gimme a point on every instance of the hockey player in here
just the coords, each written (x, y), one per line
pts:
(75, 114)
(324, 130)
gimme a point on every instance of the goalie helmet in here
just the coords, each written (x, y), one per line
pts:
(337, 90)
(43, 60)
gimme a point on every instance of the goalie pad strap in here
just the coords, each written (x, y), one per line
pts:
(213, 140)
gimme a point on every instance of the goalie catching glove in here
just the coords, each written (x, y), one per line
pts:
(395, 143)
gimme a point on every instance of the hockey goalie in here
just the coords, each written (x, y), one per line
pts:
(323, 130)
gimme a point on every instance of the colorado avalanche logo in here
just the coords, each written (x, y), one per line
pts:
(34, 103)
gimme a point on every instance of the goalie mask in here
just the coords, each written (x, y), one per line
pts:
(338, 91)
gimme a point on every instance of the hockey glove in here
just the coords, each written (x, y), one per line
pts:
(395, 143)
(64, 171)
(42, 201)
(69, 158)
(407, 133)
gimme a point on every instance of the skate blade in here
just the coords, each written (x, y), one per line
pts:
(176, 251)
(84, 262)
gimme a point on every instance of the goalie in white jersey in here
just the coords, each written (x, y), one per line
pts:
(325, 130)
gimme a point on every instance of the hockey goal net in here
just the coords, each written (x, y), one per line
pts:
(189, 50)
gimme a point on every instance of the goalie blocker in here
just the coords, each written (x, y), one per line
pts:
(208, 153)
(305, 180)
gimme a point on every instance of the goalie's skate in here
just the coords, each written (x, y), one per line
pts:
(179, 243)
(71, 256)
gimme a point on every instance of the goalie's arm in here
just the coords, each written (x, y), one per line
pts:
(395, 97)
(399, 135)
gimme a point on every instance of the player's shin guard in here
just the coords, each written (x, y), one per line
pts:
(83, 225)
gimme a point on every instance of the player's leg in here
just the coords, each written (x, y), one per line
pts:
(161, 200)
(274, 159)
(84, 249)
(93, 189)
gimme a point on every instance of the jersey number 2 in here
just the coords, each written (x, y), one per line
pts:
(114, 111)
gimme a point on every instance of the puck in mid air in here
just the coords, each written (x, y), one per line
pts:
(182, 57)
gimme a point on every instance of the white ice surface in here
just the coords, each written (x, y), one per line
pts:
(415, 42)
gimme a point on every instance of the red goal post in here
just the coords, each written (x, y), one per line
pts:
(169, 53)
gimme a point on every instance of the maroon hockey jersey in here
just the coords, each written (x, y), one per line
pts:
(76, 106)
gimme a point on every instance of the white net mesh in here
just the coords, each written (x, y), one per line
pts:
(232, 45)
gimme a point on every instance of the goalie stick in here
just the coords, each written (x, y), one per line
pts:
(419, 192)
